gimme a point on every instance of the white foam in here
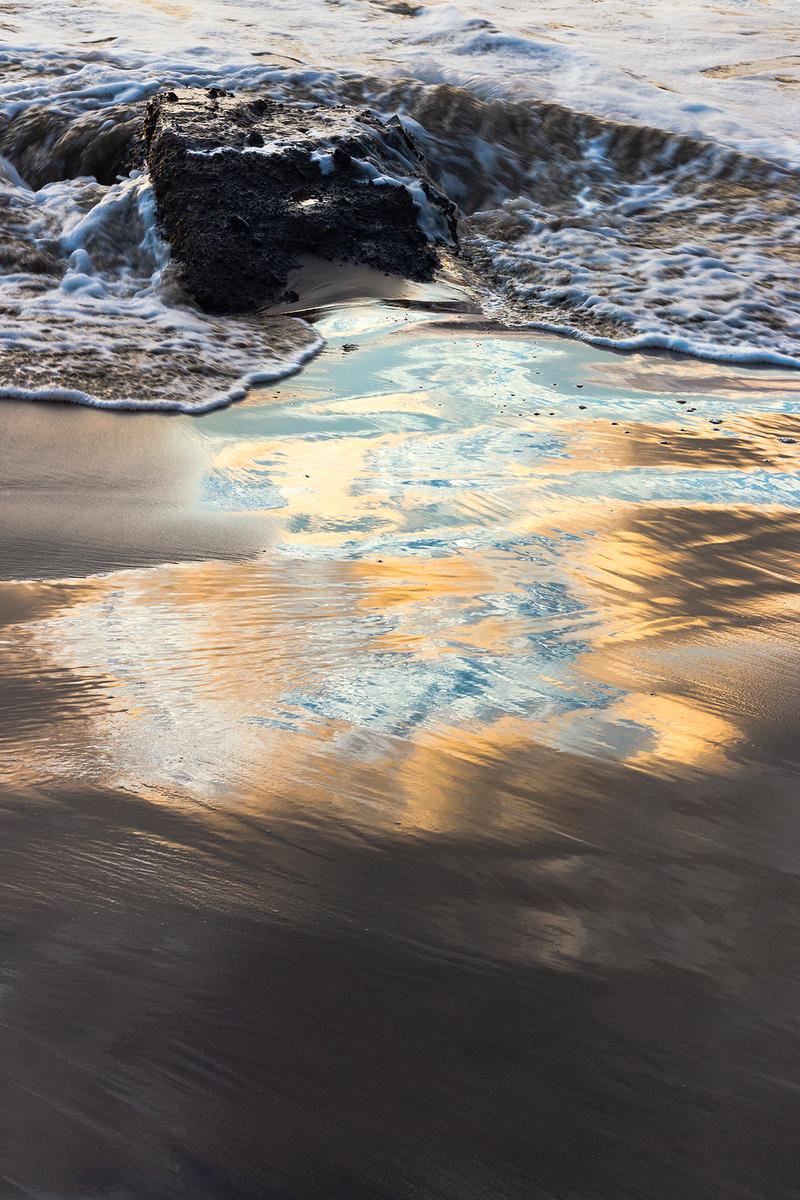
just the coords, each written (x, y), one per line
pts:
(651, 63)
(430, 219)
(689, 67)
(113, 332)
(324, 160)
(149, 403)
(650, 264)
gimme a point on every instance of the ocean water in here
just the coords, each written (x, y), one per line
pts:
(399, 699)
(646, 207)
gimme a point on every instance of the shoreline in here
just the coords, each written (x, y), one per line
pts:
(151, 480)
(450, 778)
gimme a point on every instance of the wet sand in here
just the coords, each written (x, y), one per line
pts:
(399, 781)
(83, 494)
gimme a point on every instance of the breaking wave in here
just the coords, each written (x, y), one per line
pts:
(622, 233)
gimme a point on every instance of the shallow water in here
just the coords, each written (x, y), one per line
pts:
(428, 828)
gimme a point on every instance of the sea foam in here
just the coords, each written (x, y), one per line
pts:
(645, 205)
(107, 325)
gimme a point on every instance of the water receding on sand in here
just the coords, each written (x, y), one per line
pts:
(462, 495)
(470, 750)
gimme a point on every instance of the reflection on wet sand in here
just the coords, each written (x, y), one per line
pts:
(677, 376)
(224, 665)
(666, 569)
(446, 847)
(750, 443)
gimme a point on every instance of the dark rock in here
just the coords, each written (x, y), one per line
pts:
(245, 186)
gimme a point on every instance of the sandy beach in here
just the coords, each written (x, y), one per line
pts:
(389, 805)
(399, 559)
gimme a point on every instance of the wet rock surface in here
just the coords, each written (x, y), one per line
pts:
(246, 186)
